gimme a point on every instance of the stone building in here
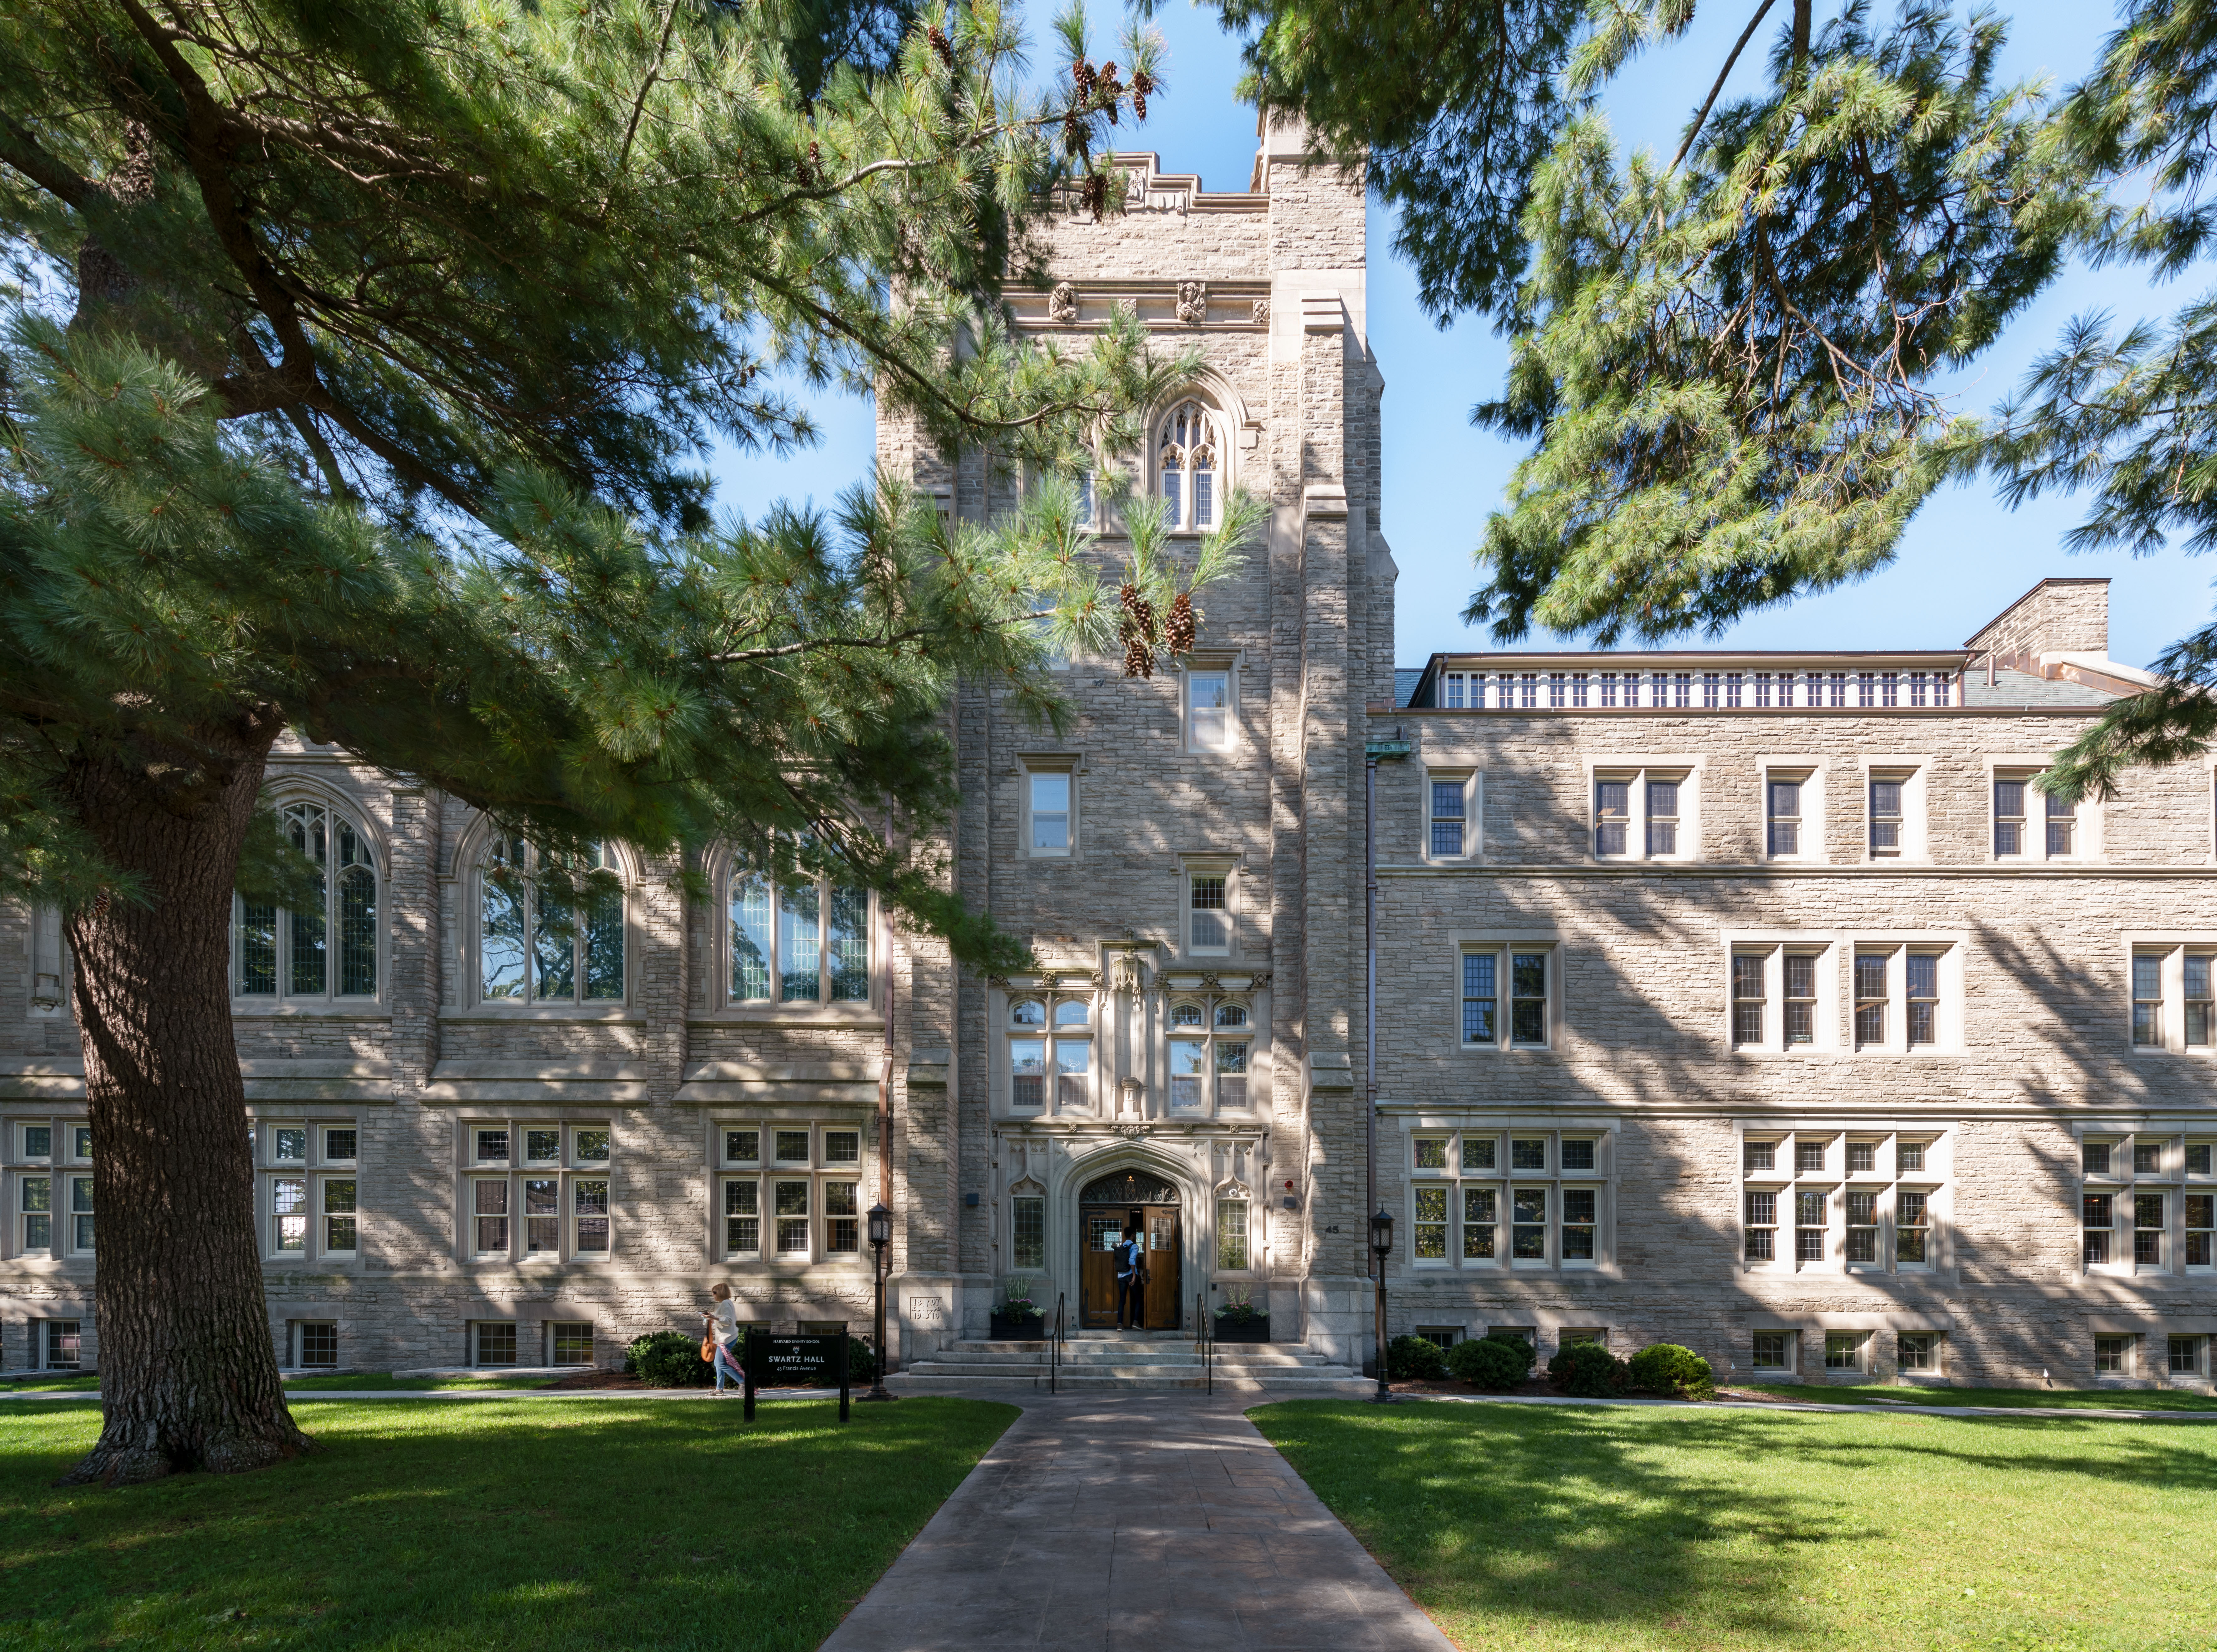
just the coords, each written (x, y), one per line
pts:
(1747, 1001)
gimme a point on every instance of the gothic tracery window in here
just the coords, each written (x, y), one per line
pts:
(1187, 458)
(325, 950)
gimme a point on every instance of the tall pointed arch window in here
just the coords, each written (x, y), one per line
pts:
(1188, 459)
(321, 952)
(548, 933)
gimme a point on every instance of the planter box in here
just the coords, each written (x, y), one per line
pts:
(1256, 1329)
(1004, 1329)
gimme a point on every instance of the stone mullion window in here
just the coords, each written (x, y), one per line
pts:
(549, 933)
(788, 1193)
(808, 941)
(1514, 1200)
(537, 1192)
(1861, 1202)
(328, 953)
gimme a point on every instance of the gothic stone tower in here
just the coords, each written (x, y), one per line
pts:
(1187, 862)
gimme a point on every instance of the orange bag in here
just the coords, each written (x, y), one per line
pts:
(707, 1350)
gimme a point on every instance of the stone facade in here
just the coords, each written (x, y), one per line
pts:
(1628, 1021)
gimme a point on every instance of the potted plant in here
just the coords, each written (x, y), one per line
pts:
(1018, 1319)
(1239, 1320)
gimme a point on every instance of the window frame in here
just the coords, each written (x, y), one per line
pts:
(1195, 667)
(836, 1237)
(1216, 425)
(574, 1164)
(1191, 872)
(1505, 948)
(318, 1174)
(1905, 1193)
(1439, 1196)
(1640, 773)
(1210, 1034)
(1807, 776)
(337, 815)
(2187, 1221)
(2087, 831)
(1470, 785)
(531, 1001)
(2177, 1017)
(1032, 770)
(1057, 1098)
(731, 878)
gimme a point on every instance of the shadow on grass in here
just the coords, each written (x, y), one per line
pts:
(491, 1525)
(1608, 1526)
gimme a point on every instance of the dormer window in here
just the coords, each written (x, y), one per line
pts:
(1188, 456)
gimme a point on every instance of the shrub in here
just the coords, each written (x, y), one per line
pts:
(1587, 1370)
(1497, 1363)
(669, 1359)
(861, 1362)
(1414, 1360)
(1666, 1368)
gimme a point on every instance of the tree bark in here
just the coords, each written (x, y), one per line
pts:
(189, 1371)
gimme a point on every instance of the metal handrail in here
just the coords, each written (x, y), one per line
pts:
(1054, 1346)
(1205, 1333)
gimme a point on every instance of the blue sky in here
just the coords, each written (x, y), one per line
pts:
(1965, 557)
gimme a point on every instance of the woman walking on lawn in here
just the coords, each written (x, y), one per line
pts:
(722, 1324)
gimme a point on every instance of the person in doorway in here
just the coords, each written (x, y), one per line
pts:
(722, 1323)
(1131, 1281)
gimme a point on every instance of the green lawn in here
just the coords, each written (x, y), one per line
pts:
(53, 1385)
(519, 1524)
(2064, 1399)
(364, 1380)
(1536, 1527)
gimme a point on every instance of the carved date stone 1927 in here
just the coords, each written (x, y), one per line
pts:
(1193, 303)
(1062, 304)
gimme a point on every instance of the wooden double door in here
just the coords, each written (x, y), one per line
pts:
(1108, 1210)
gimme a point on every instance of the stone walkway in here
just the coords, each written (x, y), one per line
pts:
(1147, 1522)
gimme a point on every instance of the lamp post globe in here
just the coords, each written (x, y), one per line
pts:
(1381, 1232)
(880, 1222)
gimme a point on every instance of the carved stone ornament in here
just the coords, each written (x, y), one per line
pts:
(1130, 1132)
(1062, 304)
(1193, 302)
(1262, 313)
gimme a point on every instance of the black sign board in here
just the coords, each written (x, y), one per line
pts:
(796, 1362)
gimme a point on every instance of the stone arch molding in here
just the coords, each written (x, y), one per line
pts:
(471, 844)
(1211, 386)
(1145, 1161)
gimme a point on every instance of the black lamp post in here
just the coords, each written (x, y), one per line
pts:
(1381, 1244)
(881, 1235)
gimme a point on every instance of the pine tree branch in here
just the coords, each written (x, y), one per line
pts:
(20, 149)
(1716, 90)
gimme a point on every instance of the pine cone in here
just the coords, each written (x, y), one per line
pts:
(1180, 634)
(1082, 72)
(1136, 627)
(941, 45)
(1142, 83)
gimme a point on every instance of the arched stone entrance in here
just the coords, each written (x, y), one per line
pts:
(1133, 1199)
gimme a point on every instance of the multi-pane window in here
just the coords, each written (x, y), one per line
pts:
(319, 1345)
(64, 1344)
(1449, 834)
(1028, 1231)
(310, 1210)
(538, 1191)
(570, 1343)
(1783, 814)
(1208, 710)
(1748, 997)
(2009, 817)
(2062, 828)
(1861, 1202)
(81, 1215)
(494, 1342)
(1187, 457)
(1051, 1054)
(1870, 999)
(2172, 1006)
(1209, 915)
(803, 1205)
(1232, 1256)
(1844, 1350)
(1209, 1044)
(2113, 1356)
(1047, 807)
(35, 1202)
(802, 941)
(1533, 1199)
(2148, 1203)
(1922, 985)
(1524, 972)
(2184, 1355)
(1621, 830)
(1919, 1353)
(1885, 816)
(1771, 1351)
(550, 930)
(325, 950)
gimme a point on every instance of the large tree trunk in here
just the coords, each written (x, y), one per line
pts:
(188, 1373)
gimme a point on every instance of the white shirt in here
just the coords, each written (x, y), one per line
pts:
(725, 1314)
